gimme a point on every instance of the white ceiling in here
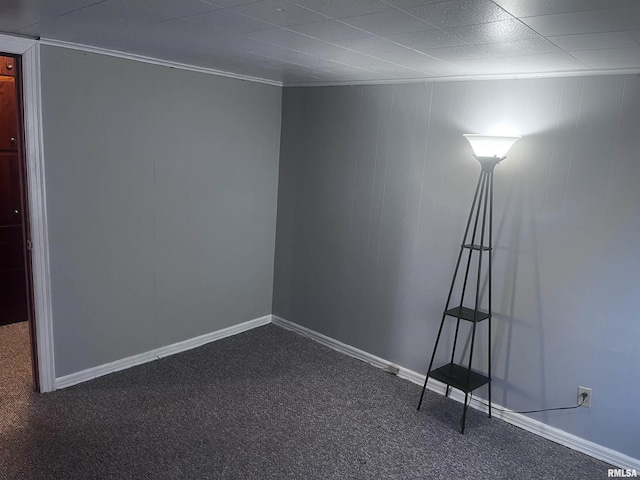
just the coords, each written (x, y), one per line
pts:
(351, 41)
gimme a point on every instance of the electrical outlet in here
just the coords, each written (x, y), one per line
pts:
(393, 369)
(587, 399)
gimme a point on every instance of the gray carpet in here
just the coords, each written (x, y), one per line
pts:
(265, 404)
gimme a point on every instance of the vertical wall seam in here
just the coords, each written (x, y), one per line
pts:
(573, 146)
(613, 156)
(355, 172)
(155, 241)
(553, 146)
(375, 168)
(353, 197)
(413, 143)
(386, 170)
(462, 124)
(524, 127)
(424, 165)
(455, 173)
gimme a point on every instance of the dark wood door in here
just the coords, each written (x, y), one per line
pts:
(13, 292)
(7, 66)
(13, 287)
(8, 113)
(10, 214)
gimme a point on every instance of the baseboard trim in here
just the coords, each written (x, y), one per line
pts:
(556, 435)
(155, 354)
(330, 342)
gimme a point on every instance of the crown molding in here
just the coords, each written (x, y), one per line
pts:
(464, 78)
(156, 61)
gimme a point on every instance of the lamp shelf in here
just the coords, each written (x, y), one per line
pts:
(468, 314)
(473, 246)
(455, 376)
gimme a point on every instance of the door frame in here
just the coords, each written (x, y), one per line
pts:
(29, 49)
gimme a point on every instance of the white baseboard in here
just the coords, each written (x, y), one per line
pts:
(569, 440)
(132, 361)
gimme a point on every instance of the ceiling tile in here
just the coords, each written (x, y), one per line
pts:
(329, 30)
(127, 40)
(529, 46)
(294, 79)
(283, 38)
(13, 20)
(117, 11)
(595, 41)
(636, 35)
(426, 39)
(60, 5)
(291, 56)
(298, 42)
(67, 29)
(454, 13)
(528, 8)
(195, 32)
(396, 71)
(344, 8)
(321, 48)
(494, 32)
(111, 15)
(403, 56)
(594, 21)
(369, 77)
(459, 53)
(406, 4)
(387, 23)
(487, 65)
(228, 20)
(610, 58)
(338, 76)
(370, 44)
(441, 69)
(344, 69)
(356, 59)
(178, 34)
(548, 62)
(226, 3)
(15, 13)
(278, 12)
(144, 35)
(277, 52)
(178, 9)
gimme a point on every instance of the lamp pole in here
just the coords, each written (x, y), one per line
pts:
(489, 151)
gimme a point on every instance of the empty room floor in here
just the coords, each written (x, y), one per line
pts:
(267, 403)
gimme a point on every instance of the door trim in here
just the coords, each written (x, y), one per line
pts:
(30, 51)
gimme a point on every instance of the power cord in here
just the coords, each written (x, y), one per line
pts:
(584, 397)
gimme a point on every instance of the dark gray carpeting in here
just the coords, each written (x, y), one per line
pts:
(264, 404)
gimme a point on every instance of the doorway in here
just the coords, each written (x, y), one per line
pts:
(16, 297)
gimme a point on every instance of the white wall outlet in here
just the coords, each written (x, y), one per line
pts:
(587, 399)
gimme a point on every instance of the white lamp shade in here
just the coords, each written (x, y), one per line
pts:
(490, 145)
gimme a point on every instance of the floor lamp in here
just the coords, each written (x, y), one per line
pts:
(489, 150)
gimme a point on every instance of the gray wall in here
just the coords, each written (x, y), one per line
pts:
(375, 187)
(161, 192)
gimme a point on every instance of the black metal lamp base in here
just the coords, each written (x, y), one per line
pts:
(476, 240)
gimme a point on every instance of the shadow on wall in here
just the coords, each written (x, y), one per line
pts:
(519, 209)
